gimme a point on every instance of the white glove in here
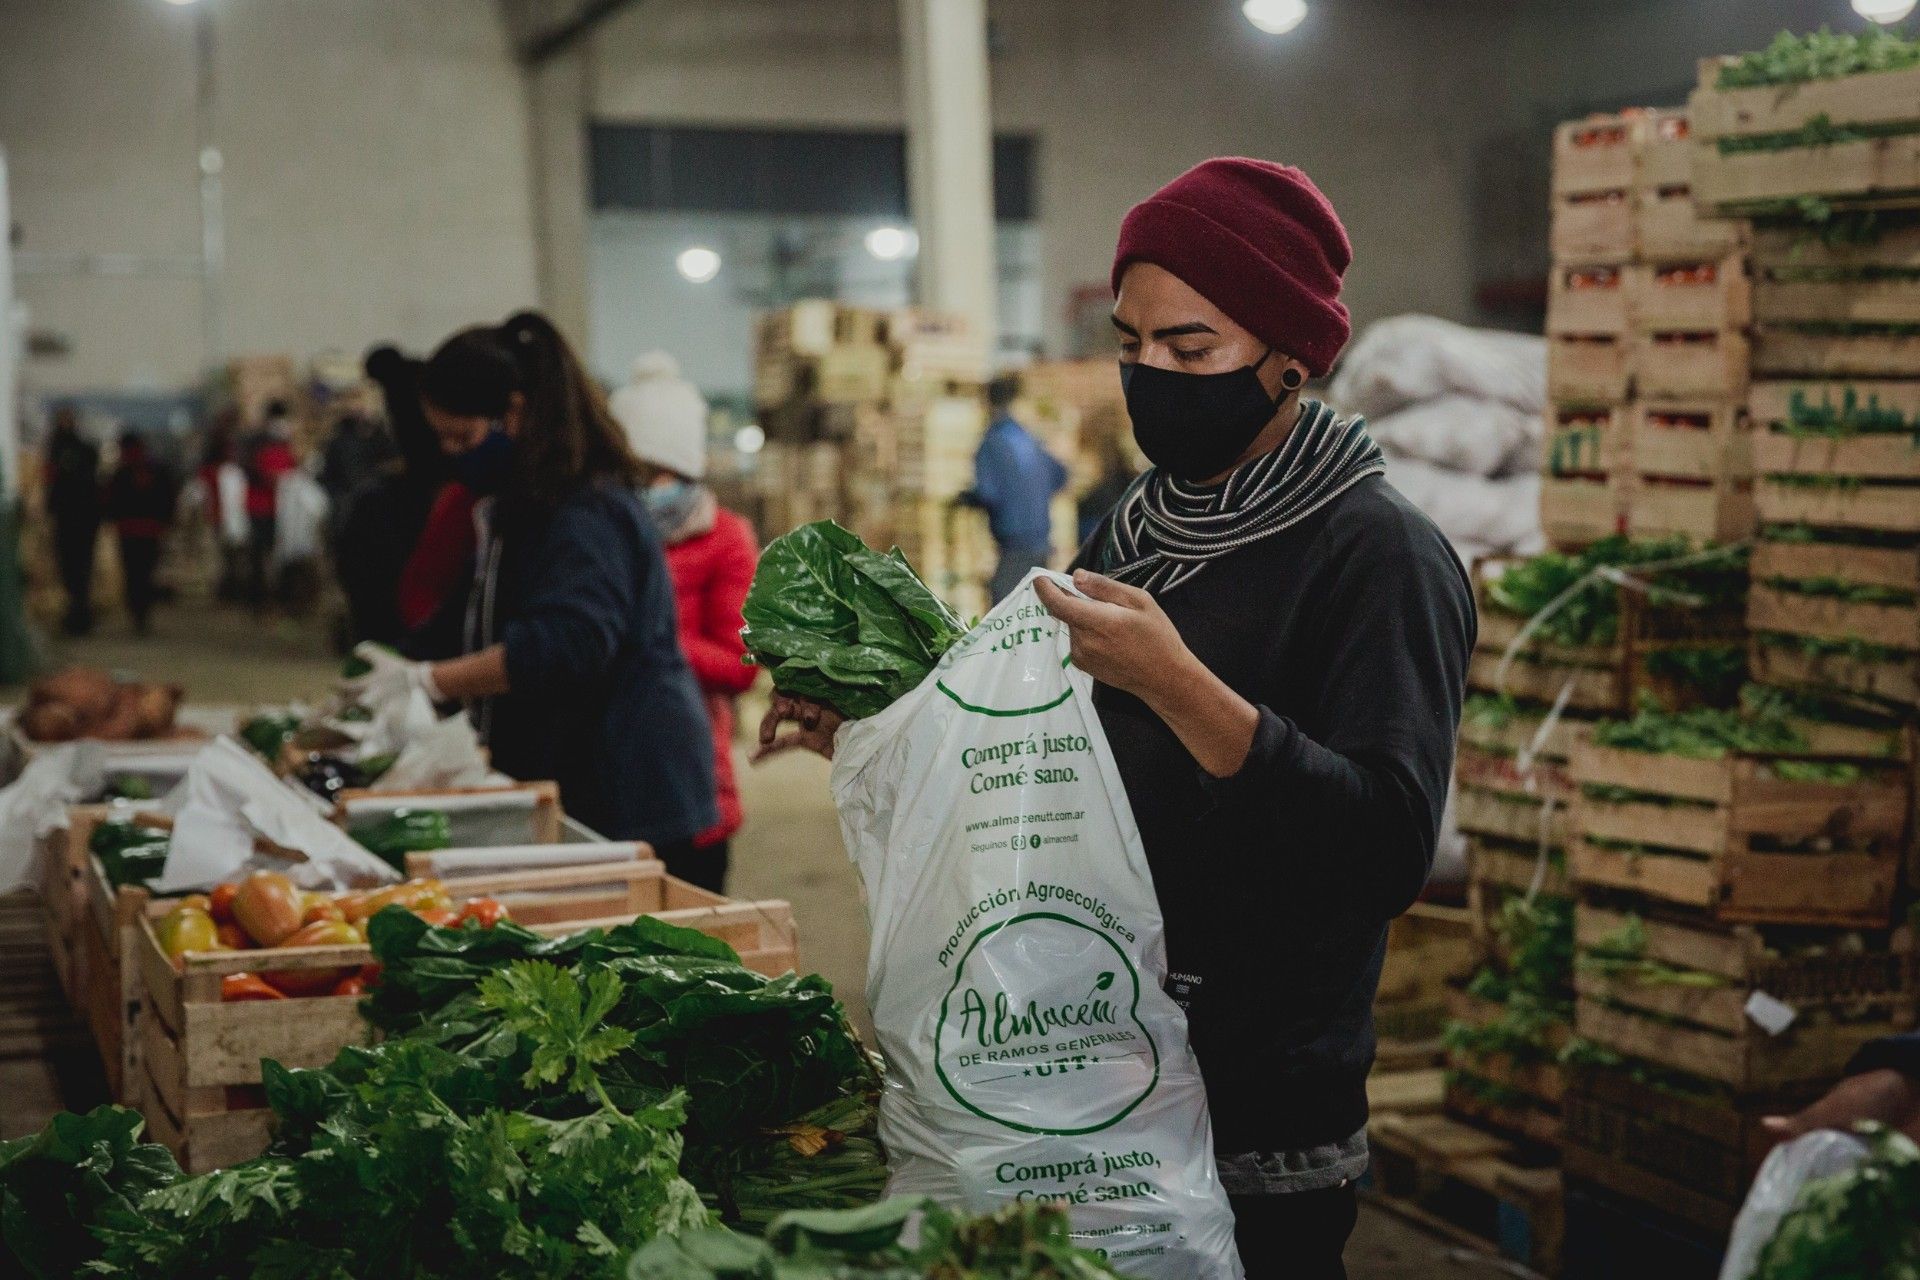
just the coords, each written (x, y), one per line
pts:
(392, 679)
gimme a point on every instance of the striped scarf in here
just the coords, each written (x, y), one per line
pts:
(1166, 530)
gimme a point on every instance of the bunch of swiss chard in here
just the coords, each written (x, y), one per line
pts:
(1864, 1222)
(1020, 1242)
(779, 1094)
(837, 622)
(1587, 605)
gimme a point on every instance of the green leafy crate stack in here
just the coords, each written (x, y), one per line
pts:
(1503, 810)
(1830, 120)
(1743, 816)
(1429, 948)
(1680, 638)
(192, 1062)
(1836, 575)
(97, 869)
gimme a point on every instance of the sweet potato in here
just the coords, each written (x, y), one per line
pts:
(88, 690)
(122, 723)
(50, 722)
(156, 704)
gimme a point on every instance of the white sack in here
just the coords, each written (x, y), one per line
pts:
(231, 798)
(1460, 433)
(35, 805)
(1409, 359)
(1017, 958)
(300, 513)
(232, 484)
(1478, 516)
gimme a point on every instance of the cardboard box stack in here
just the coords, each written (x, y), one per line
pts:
(1648, 305)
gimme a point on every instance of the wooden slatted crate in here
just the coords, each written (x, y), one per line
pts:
(1587, 298)
(1874, 171)
(193, 1062)
(1692, 1154)
(1775, 605)
(1802, 281)
(1720, 836)
(1701, 296)
(1669, 227)
(1598, 153)
(1586, 440)
(1578, 510)
(513, 813)
(1687, 364)
(1587, 369)
(1691, 439)
(1593, 226)
(1715, 510)
(1468, 1183)
(1701, 1028)
(1782, 352)
(1852, 482)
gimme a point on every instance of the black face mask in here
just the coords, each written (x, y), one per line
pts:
(1196, 425)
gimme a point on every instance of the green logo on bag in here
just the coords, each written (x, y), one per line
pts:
(1041, 1032)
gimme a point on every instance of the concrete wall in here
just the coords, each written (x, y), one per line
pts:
(376, 172)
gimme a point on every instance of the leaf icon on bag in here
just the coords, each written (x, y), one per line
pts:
(1102, 983)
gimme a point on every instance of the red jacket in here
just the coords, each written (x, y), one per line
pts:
(711, 572)
(441, 562)
(271, 459)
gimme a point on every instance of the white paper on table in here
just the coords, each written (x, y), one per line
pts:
(35, 805)
(232, 799)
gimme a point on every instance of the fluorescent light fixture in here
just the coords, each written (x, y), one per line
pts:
(181, 3)
(890, 244)
(698, 264)
(1883, 10)
(750, 438)
(1277, 17)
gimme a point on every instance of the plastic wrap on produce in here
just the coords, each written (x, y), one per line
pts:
(1776, 1188)
(1017, 961)
(35, 805)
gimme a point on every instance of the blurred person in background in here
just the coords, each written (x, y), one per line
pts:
(1014, 480)
(572, 666)
(73, 506)
(141, 494)
(226, 523)
(266, 456)
(378, 518)
(1116, 474)
(711, 553)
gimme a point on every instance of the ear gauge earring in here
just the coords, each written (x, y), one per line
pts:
(1291, 379)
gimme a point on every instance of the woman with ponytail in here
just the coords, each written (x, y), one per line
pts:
(572, 668)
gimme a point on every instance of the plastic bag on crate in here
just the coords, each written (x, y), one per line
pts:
(35, 804)
(1786, 1171)
(1017, 958)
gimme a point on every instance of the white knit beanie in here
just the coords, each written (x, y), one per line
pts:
(664, 416)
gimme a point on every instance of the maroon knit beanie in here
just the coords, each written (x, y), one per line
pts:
(1257, 240)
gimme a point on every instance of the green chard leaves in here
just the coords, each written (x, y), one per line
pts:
(840, 623)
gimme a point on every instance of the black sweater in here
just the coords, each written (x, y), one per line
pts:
(1350, 632)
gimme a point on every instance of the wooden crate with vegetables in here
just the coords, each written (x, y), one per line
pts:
(1669, 227)
(1832, 117)
(209, 1000)
(1752, 1009)
(1690, 439)
(1736, 835)
(1578, 510)
(1587, 368)
(1586, 440)
(1704, 296)
(1677, 1142)
(1701, 510)
(1679, 635)
(395, 823)
(1686, 363)
(1864, 480)
(1587, 298)
(1598, 153)
(1802, 279)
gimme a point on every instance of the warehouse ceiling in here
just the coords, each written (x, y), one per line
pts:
(543, 29)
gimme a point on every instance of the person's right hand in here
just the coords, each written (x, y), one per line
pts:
(817, 723)
(1886, 1095)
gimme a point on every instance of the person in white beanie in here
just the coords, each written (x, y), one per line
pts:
(711, 553)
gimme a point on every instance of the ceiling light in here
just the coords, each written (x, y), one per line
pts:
(890, 244)
(698, 264)
(1883, 10)
(1277, 17)
(182, 3)
(750, 438)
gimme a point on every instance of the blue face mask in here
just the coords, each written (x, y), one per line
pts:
(485, 467)
(672, 496)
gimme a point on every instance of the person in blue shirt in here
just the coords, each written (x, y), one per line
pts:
(1014, 480)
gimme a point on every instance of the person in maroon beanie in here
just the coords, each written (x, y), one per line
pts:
(1279, 642)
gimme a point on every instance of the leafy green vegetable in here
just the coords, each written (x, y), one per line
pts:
(1019, 1242)
(1820, 131)
(354, 666)
(130, 854)
(1702, 733)
(842, 624)
(130, 786)
(1591, 614)
(1864, 1222)
(1711, 672)
(1821, 55)
(402, 832)
(80, 1173)
(269, 732)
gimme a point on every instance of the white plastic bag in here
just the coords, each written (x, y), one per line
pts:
(446, 753)
(1461, 433)
(1786, 1171)
(1408, 359)
(1017, 958)
(35, 804)
(232, 799)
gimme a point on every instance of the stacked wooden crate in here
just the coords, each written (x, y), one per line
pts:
(1595, 163)
(1739, 881)
(1647, 312)
(872, 419)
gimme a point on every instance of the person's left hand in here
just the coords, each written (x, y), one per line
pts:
(391, 679)
(1120, 635)
(1886, 1095)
